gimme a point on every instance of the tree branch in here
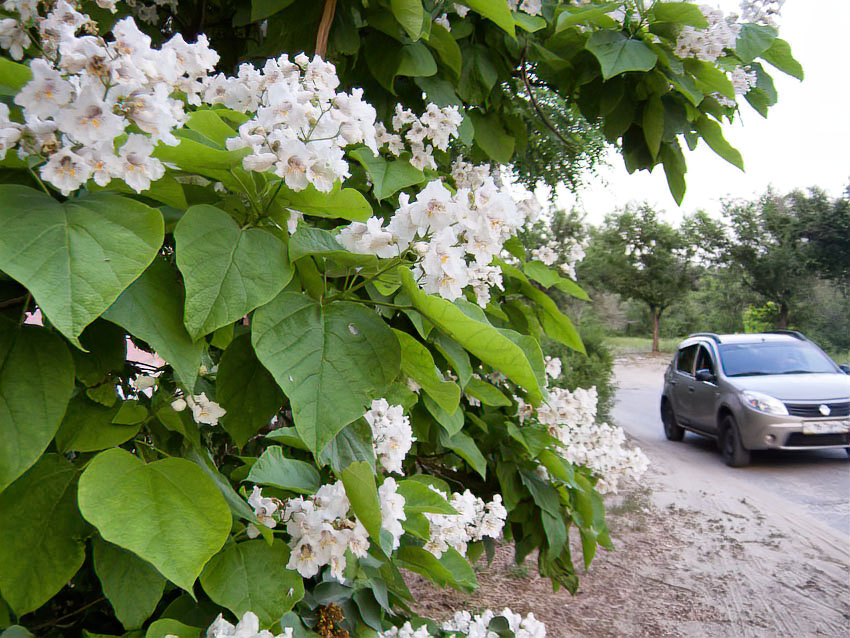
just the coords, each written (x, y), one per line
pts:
(325, 28)
(537, 108)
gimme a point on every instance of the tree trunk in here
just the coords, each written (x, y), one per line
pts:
(656, 316)
(782, 321)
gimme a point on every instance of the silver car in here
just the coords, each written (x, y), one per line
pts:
(763, 391)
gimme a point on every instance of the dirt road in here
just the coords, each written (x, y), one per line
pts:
(702, 550)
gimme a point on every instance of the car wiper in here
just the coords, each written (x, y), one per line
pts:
(797, 372)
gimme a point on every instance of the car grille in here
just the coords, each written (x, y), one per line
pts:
(811, 409)
(798, 439)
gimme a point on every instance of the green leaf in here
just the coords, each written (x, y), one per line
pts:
(178, 520)
(419, 498)
(579, 15)
(423, 562)
(36, 381)
(753, 40)
(342, 203)
(558, 467)
(166, 190)
(497, 11)
(41, 530)
(198, 154)
(354, 443)
(480, 338)
(446, 47)
(555, 324)
(229, 271)
(165, 627)
(415, 61)
(331, 361)
(273, 468)
(653, 123)
(289, 437)
(464, 446)
(262, 9)
(13, 76)
(253, 576)
(487, 393)
(463, 576)
(152, 309)
(529, 23)
(106, 352)
(409, 14)
(617, 53)
(556, 532)
(132, 586)
(16, 631)
(387, 177)
(208, 122)
(674, 168)
(454, 353)
(709, 79)
(75, 258)
(542, 274)
(318, 242)
(490, 135)
(779, 55)
(712, 133)
(418, 364)
(681, 12)
(359, 481)
(246, 390)
(89, 427)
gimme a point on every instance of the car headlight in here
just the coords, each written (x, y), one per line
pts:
(764, 403)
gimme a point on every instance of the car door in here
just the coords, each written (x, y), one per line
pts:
(704, 393)
(682, 383)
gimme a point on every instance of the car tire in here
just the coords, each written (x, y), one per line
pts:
(672, 430)
(734, 452)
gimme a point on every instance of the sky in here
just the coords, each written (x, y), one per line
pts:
(805, 140)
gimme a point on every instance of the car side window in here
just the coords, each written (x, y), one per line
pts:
(685, 360)
(704, 360)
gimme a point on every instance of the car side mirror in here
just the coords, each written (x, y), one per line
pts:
(845, 368)
(706, 376)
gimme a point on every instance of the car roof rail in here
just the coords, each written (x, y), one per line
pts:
(791, 333)
(711, 335)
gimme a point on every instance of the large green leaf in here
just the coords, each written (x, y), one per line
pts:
(478, 337)
(359, 481)
(75, 258)
(152, 309)
(753, 40)
(253, 576)
(419, 498)
(342, 203)
(681, 12)
(496, 10)
(491, 136)
(617, 53)
(89, 427)
(779, 55)
(464, 446)
(542, 274)
(168, 627)
(409, 14)
(418, 364)
(41, 530)
(578, 15)
(387, 177)
(712, 133)
(415, 60)
(132, 586)
(229, 271)
(273, 468)
(330, 360)
(36, 381)
(446, 47)
(653, 123)
(178, 519)
(13, 76)
(262, 9)
(246, 390)
(486, 393)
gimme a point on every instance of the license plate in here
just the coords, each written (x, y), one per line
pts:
(826, 427)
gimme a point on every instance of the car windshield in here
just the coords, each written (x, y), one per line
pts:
(749, 359)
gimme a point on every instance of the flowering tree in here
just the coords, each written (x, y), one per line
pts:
(259, 347)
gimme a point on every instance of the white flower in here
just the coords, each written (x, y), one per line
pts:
(66, 170)
(90, 120)
(545, 254)
(392, 509)
(553, 367)
(392, 435)
(203, 410)
(46, 93)
(248, 627)
(136, 166)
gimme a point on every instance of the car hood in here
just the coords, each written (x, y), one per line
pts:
(797, 387)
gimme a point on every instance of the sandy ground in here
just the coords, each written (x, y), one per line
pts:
(701, 550)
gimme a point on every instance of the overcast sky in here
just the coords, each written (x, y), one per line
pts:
(805, 141)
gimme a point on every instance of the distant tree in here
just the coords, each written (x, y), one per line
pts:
(824, 224)
(640, 257)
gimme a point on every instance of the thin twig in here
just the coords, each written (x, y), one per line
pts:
(536, 106)
(13, 302)
(325, 28)
(80, 610)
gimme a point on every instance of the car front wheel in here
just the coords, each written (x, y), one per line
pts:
(672, 430)
(734, 452)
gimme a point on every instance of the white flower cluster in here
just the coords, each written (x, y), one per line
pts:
(553, 366)
(406, 631)
(302, 125)
(762, 11)
(267, 510)
(743, 79)
(544, 254)
(204, 410)
(571, 418)
(89, 92)
(248, 627)
(531, 7)
(477, 626)
(322, 529)
(434, 129)
(474, 520)
(392, 435)
(709, 43)
(459, 232)
(571, 256)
